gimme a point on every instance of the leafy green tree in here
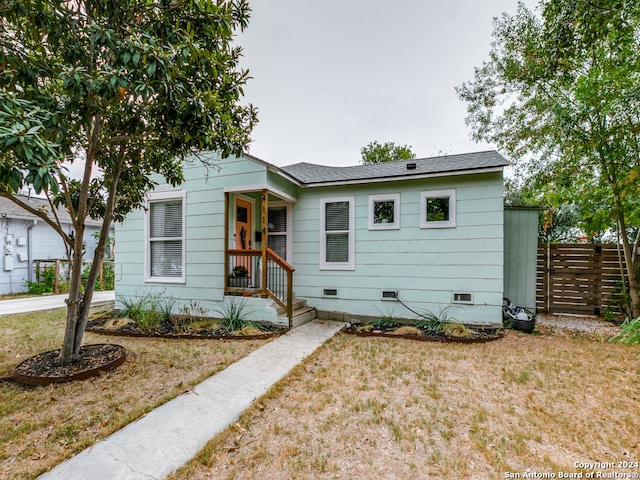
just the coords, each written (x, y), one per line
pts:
(387, 152)
(129, 88)
(560, 93)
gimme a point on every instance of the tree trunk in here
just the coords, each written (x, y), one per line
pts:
(69, 351)
(630, 263)
(83, 312)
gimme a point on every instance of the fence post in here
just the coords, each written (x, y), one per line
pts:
(597, 291)
(56, 288)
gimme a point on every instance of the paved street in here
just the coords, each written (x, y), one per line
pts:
(47, 302)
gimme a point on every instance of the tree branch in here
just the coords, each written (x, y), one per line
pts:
(42, 214)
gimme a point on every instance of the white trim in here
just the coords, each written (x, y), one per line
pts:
(453, 173)
(259, 188)
(159, 196)
(448, 193)
(385, 197)
(351, 263)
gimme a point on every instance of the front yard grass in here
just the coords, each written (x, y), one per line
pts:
(42, 426)
(392, 408)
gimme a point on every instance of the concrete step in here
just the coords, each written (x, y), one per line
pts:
(302, 316)
(298, 304)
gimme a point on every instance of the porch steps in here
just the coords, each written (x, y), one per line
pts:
(301, 313)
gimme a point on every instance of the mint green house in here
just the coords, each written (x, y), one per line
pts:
(346, 243)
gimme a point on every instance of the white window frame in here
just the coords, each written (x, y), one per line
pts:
(288, 234)
(384, 197)
(156, 197)
(351, 263)
(448, 193)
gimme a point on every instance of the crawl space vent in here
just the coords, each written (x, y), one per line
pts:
(462, 297)
(389, 294)
(330, 292)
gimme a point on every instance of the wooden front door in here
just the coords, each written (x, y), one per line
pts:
(243, 224)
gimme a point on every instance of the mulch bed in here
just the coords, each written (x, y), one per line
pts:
(44, 368)
(166, 331)
(476, 335)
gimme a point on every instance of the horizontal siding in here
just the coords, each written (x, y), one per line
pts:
(45, 244)
(204, 242)
(426, 266)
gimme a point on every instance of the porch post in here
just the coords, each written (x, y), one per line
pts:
(226, 242)
(264, 219)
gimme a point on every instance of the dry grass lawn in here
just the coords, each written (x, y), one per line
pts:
(373, 408)
(41, 426)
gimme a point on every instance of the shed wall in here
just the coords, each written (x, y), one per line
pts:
(520, 251)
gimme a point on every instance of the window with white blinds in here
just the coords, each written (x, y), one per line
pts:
(337, 233)
(277, 227)
(165, 241)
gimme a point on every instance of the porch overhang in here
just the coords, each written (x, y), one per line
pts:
(261, 188)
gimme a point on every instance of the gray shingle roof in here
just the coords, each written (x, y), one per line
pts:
(11, 210)
(308, 173)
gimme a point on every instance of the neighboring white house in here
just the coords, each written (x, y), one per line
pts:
(421, 235)
(24, 238)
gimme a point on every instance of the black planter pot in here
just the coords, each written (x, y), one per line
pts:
(526, 326)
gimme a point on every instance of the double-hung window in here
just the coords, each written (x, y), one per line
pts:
(438, 209)
(165, 253)
(337, 233)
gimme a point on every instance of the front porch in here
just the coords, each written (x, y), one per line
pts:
(256, 264)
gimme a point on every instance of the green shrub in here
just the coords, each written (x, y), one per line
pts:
(108, 276)
(630, 333)
(36, 288)
(47, 283)
(150, 312)
(233, 317)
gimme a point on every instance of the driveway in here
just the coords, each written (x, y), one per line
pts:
(48, 302)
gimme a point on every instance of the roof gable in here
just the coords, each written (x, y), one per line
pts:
(10, 209)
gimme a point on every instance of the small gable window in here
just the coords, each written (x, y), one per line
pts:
(438, 209)
(337, 233)
(384, 211)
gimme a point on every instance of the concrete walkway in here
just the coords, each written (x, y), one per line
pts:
(47, 302)
(169, 436)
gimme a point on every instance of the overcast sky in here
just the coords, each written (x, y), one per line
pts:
(330, 76)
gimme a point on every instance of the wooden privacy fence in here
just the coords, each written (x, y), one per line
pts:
(579, 278)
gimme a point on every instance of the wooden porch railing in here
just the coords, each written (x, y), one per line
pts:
(245, 275)
(280, 282)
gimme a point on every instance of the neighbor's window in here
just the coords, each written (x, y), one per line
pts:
(337, 233)
(438, 209)
(165, 237)
(384, 211)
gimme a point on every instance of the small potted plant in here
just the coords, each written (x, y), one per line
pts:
(239, 277)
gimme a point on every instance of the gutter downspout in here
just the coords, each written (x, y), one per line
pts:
(30, 261)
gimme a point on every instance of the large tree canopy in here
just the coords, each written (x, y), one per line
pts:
(130, 87)
(387, 152)
(560, 93)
